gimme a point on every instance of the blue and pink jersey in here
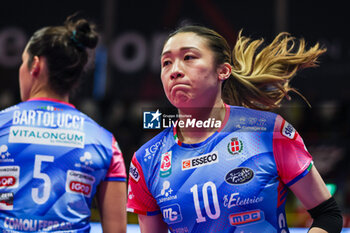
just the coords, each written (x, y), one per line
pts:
(52, 158)
(235, 181)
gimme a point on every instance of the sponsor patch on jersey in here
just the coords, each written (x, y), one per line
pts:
(6, 201)
(47, 136)
(240, 175)
(235, 146)
(134, 173)
(130, 193)
(149, 152)
(237, 200)
(30, 224)
(171, 213)
(79, 183)
(9, 177)
(5, 155)
(245, 217)
(165, 164)
(166, 193)
(288, 130)
(200, 161)
(85, 162)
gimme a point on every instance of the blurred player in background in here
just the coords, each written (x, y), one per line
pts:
(54, 158)
(233, 175)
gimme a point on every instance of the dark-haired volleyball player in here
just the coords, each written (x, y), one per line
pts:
(54, 158)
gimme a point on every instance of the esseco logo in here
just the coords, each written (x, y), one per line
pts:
(199, 161)
(235, 146)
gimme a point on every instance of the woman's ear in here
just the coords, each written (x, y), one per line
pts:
(35, 70)
(224, 71)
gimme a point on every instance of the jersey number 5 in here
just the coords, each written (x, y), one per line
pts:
(43, 176)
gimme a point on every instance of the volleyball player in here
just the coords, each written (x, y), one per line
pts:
(54, 158)
(233, 175)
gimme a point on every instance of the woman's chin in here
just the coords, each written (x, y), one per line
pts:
(183, 103)
(181, 100)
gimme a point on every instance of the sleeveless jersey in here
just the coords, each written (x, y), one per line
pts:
(52, 158)
(235, 181)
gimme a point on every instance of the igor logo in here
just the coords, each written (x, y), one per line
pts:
(7, 181)
(9, 176)
(80, 187)
(239, 175)
(245, 217)
(79, 183)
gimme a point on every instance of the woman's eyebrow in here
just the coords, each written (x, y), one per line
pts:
(181, 49)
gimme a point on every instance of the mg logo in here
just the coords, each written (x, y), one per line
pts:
(172, 213)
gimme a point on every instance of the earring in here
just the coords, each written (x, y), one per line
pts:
(223, 78)
(34, 71)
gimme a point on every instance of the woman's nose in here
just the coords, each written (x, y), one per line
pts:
(176, 71)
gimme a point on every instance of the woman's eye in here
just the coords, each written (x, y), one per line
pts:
(165, 63)
(189, 57)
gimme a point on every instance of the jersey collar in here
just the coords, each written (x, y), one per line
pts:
(177, 140)
(51, 100)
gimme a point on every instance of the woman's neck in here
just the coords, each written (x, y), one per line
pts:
(44, 93)
(195, 133)
(42, 89)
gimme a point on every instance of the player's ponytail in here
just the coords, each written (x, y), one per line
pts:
(260, 75)
(83, 33)
(260, 80)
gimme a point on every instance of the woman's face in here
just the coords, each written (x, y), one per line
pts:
(188, 71)
(25, 80)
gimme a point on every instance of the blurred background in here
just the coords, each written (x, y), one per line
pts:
(125, 77)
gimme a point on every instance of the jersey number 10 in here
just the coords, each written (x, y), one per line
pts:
(205, 189)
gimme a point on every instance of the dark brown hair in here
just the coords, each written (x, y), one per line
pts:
(64, 48)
